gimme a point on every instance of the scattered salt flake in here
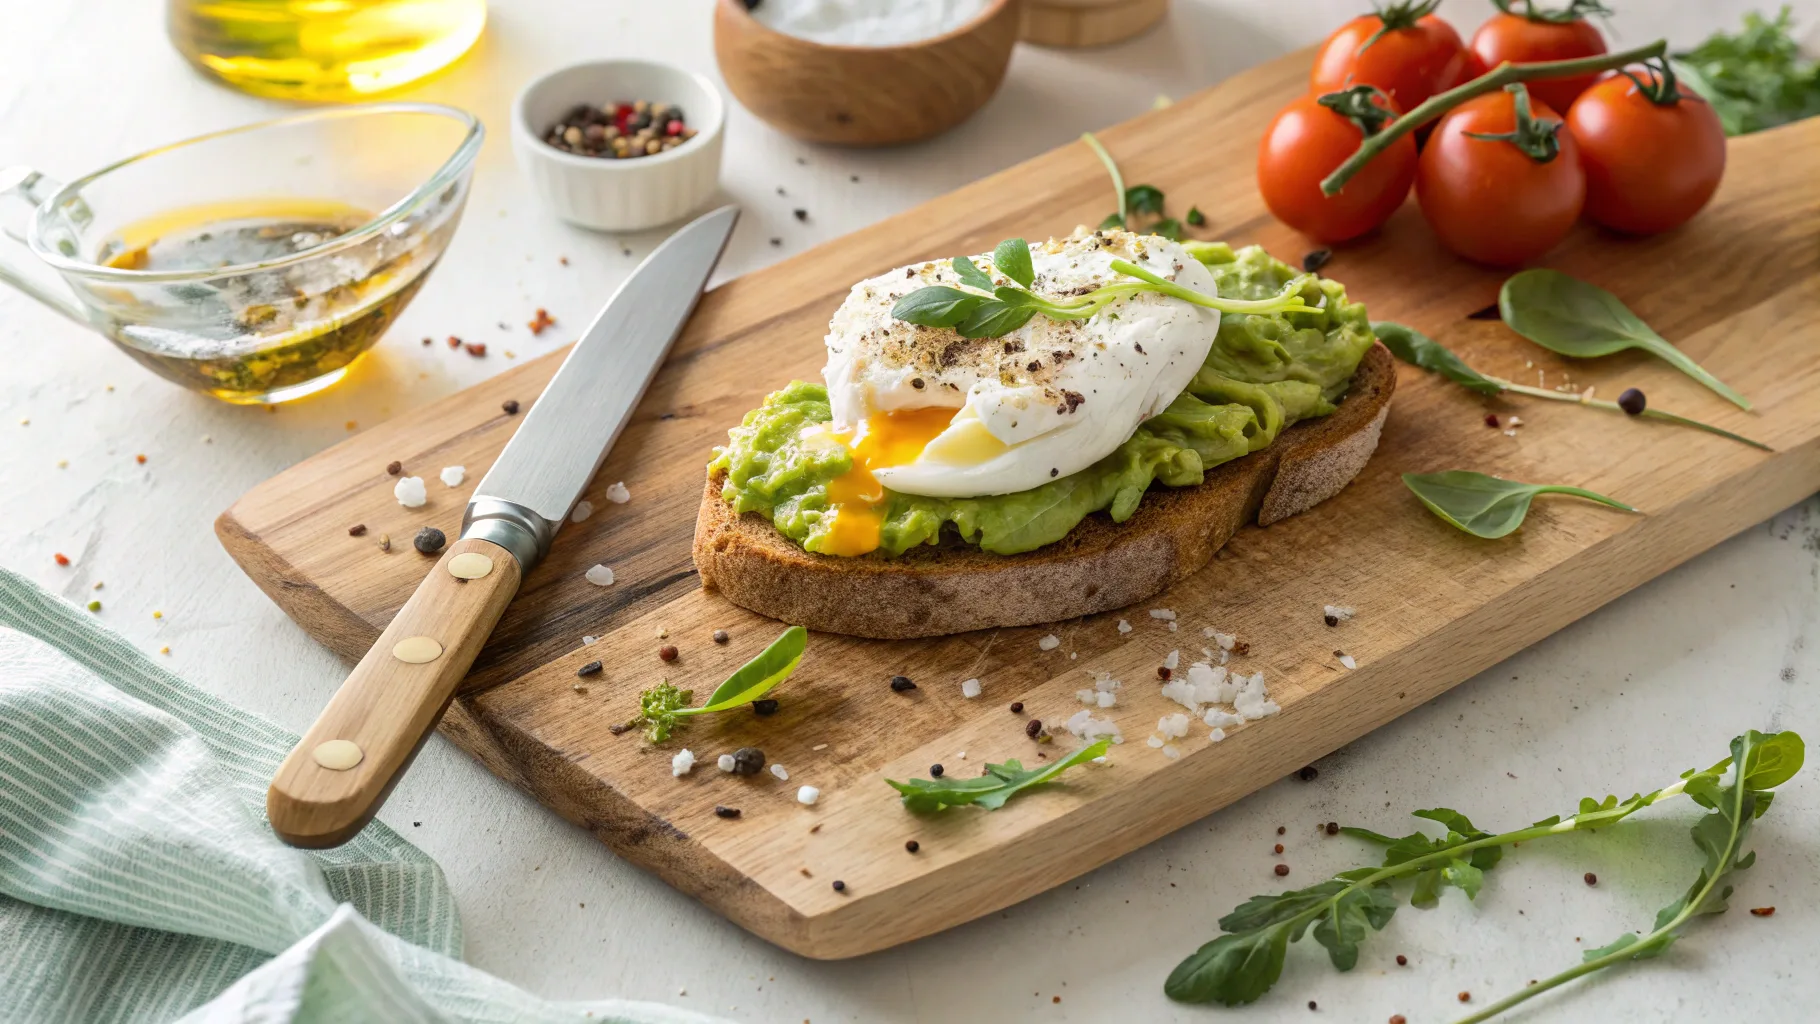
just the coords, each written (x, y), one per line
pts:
(970, 688)
(1166, 614)
(1348, 661)
(1086, 696)
(1172, 659)
(726, 763)
(1225, 641)
(1339, 611)
(453, 475)
(1171, 624)
(410, 491)
(1106, 700)
(1050, 642)
(582, 510)
(1172, 726)
(682, 762)
(589, 640)
(1216, 735)
(960, 755)
(1088, 728)
(819, 746)
(1252, 702)
(1154, 742)
(1124, 626)
(1219, 718)
(617, 493)
(808, 795)
(1171, 753)
(600, 576)
(1074, 655)
(1510, 433)
(778, 770)
(1515, 421)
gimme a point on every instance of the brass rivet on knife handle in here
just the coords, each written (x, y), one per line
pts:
(342, 770)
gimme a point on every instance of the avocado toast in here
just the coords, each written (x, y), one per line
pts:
(1071, 430)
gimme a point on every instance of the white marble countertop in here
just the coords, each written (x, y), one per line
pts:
(1655, 683)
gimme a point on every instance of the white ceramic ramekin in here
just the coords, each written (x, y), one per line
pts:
(620, 195)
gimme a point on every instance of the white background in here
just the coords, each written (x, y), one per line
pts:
(1624, 700)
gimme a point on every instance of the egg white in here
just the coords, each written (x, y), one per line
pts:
(1046, 400)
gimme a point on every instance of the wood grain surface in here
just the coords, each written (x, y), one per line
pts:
(1738, 289)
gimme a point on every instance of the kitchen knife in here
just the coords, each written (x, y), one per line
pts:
(336, 778)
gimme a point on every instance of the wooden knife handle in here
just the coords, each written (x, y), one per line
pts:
(333, 782)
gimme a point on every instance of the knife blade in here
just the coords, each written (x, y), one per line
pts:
(346, 764)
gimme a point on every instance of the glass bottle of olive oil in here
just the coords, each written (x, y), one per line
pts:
(323, 50)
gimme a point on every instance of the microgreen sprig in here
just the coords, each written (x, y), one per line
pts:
(983, 308)
(663, 707)
(1243, 964)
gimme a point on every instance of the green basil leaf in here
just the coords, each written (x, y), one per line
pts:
(1169, 228)
(1144, 199)
(1487, 506)
(971, 274)
(936, 306)
(1418, 349)
(1572, 317)
(1012, 258)
(995, 318)
(756, 677)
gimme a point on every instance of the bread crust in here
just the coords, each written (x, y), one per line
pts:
(954, 587)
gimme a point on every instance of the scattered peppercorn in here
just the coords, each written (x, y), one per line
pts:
(1163, 673)
(726, 812)
(1017, 707)
(913, 846)
(60, 558)
(1491, 420)
(394, 467)
(1308, 773)
(1033, 728)
(385, 542)
(902, 683)
(801, 214)
(666, 653)
(357, 530)
(429, 540)
(1762, 911)
(1331, 620)
(1332, 828)
(1282, 869)
(720, 636)
(1281, 829)
(1402, 961)
(592, 668)
(1465, 997)
(1633, 402)
(1397, 1018)
(1278, 848)
(510, 406)
(1316, 259)
(1591, 879)
(748, 761)
(777, 241)
(1242, 648)
(426, 341)
(935, 771)
(1311, 1004)
(840, 886)
(477, 349)
(454, 342)
(765, 706)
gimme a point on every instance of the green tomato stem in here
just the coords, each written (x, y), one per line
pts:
(1492, 81)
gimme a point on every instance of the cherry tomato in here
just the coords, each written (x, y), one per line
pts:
(1649, 166)
(1413, 55)
(1520, 39)
(1304, 144)
(1488, 199)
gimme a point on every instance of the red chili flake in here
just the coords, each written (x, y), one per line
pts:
(1465, 997)
(1591, 879)
(139, 459)
(1282, 869)
(1279, 848)
(61, 558)
(1402, 961)
(1055, 999)
(1491, 420)
(357, 529)
(1397, 1018)
(541, 321)
(454, 342)
(477, 349)
(1762, 911)
(564, 260)
(666, 653)
(1163, 673)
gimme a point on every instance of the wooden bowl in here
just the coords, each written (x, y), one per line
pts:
(863, 95)
(1077, 23)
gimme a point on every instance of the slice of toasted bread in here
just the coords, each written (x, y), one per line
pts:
(953, 587)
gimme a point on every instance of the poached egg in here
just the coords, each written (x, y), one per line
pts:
(928, 412)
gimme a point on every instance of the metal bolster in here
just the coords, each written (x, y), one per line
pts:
(512, 526)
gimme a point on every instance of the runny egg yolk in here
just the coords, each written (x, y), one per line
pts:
(880, 441)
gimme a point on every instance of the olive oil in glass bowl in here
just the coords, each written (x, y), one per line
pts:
(323, 50)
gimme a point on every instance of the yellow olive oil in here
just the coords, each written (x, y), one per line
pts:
(263, 335)
(324, 50)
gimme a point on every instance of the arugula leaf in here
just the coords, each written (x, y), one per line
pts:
(1756, 78)
(1487, 506)
(1012, 258)
(971, 274)
(1575, 318)
(936, 306)
(663, 707)
(1000, 783)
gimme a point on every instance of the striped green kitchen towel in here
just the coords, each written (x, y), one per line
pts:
(139, 881)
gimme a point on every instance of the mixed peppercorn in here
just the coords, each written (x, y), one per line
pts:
(620, 131)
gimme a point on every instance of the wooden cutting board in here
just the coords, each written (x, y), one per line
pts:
(1739, 289)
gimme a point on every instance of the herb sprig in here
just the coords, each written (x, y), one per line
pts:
(1755, 78)
(1418, 349)
(663, 707)
(1342, 911)
(1488, 506)
(1000, 783)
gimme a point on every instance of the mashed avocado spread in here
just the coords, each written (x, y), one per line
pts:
(1263, 374)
